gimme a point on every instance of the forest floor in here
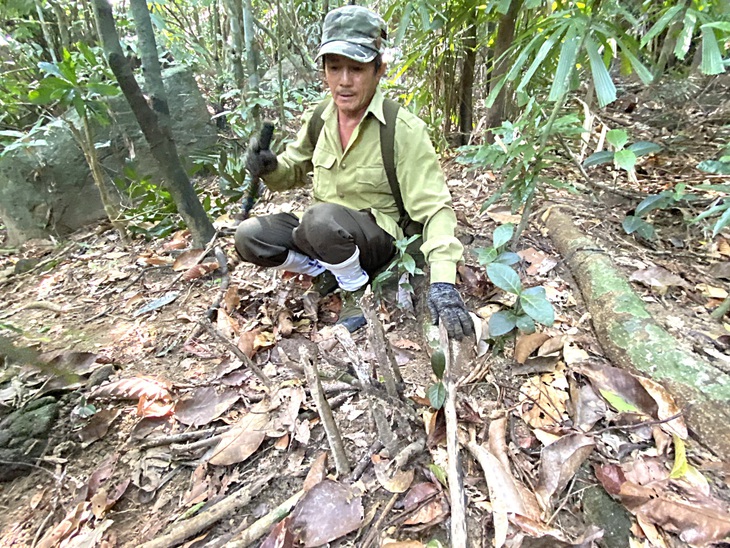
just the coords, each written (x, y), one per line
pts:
(160, 421)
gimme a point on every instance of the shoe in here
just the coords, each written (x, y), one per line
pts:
(351, 315)
(324, 284)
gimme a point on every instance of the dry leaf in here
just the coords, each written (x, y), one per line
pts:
(620, 382)
(280, 536)
(79, 515)
(543, 400)
(712, 292)
(658, 278)
(200, 270)
(328, 511)
(242, 440)
(232, 299)
(153, 407)
(285, 323)
(430, 503)
(98, 426)
(666, 408)
(317, 473)
(187, 259)
(502, 215)
(204, 405)
(394, 481)
(586, 407)
(559, 462)
(527, 344)
(132, 389)
(246, 342)
(227, 325)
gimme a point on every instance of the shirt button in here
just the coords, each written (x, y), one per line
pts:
(341, 194)
(344, 165)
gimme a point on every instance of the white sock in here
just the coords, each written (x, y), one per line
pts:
(301, 264)
(349, 274)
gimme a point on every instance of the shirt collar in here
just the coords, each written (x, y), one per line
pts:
(375, 107)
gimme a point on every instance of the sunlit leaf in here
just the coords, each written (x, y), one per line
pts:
(617, 137)
(504, 277)
(711, 56)
(625, 159)
(535, 304)
(436, 394)
(566, 63)
(501, 323)
(661, 24)
(602, 81)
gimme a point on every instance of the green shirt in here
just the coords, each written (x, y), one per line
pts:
(356, 178)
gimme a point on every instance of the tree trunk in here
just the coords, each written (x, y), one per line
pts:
(667, 52)
(236, 49)
(251, 58)
(63, 25)
(466, 92)
(147, 46)
(50, 44)
(505, 36)
(158, 137)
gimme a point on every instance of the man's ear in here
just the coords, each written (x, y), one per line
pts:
(381, 71)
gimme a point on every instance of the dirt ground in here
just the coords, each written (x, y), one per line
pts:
(87, 295)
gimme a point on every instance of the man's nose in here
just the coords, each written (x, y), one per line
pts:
(346, 77)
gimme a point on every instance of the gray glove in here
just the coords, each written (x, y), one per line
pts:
(445, 305)
(259, 162)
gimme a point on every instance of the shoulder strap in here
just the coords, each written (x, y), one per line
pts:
(316, 123)
(387, 150)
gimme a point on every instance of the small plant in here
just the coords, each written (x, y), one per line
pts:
(623, 157)
(667, 198)
(403, 263)
(437, 391)
(531, 305)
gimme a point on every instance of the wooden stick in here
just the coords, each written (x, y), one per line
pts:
(325, 412)
(381, 346)
(376, 527)
(261, 526)
(215, 513)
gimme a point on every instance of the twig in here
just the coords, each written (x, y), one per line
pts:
(309, 363)
(408, 452)
(376, 528)
(364, 462)
(178, 449)
(203, 255)
(497, 440)
(215, 513)
(31, 465)
(177, 438)
(720, 311)
(454, 471)
(215, 305)
(261, 526)
(238, 353)
(633, 426)
(563, 502)
(381, 346)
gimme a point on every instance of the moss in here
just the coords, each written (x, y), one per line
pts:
(606, 283)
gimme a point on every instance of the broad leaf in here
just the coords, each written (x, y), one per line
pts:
(436, 394)
(714, 166)
(438, 363)
(617, 137)
(566, 64)
(618, 403)
(660, 25)
(722, 222)
(502, 235)
(598, 158)
(51, 68)
(605, 88)
(655, 201)
(711, 56)
(486, 255)
(508, 258)
(684, 40)
(525, 324)
(408, 263)
(642, 148)
(633, 224)
(535, 304)
(542, 53)
(501, 323)
(625, 159)
(504, 278)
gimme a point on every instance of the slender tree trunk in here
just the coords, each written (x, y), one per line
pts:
(158, 137)
(667, 52)
(237, 47)
(466, 92)
(251, 58)
(505, 36)
(63, 24)
(50, 44)
(147, 47)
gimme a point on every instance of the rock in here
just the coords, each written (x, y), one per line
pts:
(24, 436)
(48, 189)
(604, 512)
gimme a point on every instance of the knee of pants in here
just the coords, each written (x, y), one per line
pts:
(247, 234)
(320, 218)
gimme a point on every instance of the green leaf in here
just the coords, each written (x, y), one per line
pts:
(501, 323)
(51, 68)
(719, 25)
(504, 277)
(440, 474)
(642, 72)
(617, 402)
(681, 465)
(486, 255)
(633, 224)
(508, 258)
(684, 40)
(617, 137)
(525, 324)
(605, 88)
(642, 148)
(661, 24)
(711, 57)
(566, 64)
(502, 235)
(408, 263)
(438, 363)
(535, 304)
(625, 159)
(436, 394)
(105, 90)
(542, 53)
(598, 158)
(722, 222)
(655, 201)
(714, 166)
(405, 20)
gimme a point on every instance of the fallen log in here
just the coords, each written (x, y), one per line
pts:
(632, 339)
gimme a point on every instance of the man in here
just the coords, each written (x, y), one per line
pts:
(351, 228)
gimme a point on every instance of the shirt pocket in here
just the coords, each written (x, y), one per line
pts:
(324, 174)
(373, 187)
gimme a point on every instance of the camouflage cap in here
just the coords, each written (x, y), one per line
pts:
(353, 31)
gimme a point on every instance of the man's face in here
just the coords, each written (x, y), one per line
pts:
(352, 84)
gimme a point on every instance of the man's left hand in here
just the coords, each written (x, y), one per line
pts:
(446, 306)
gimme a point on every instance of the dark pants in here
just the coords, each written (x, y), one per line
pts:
(326, 232)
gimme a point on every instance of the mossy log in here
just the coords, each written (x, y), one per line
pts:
(632, 339)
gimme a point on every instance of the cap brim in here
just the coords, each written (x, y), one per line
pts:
(358, 53)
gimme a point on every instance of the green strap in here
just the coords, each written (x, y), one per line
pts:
(387, 147)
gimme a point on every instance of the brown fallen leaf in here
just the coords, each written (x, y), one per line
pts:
(559, 462)
(317, 473)
(242, 440)
(527, 344)
(620, 382)
(204, 405)
(666, 408)
(428, 504)
(246, 341)
(281, 535)
(586, 407)
(328, 511)
(103, 501)
(132, 389)
(187, 259)
(659, 279)
(200, 270)
(543, 400)
(79, 515)
(394, 481)
(98, 426)
(150, 407)
(232, 299)
(284, 323)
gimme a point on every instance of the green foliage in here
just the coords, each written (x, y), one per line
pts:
(531, 305)
(436, 394)
(623, 157)
(401, 264)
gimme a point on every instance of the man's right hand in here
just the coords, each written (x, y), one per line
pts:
(259, 162)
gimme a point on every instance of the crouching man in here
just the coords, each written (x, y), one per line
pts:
(362, 199)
